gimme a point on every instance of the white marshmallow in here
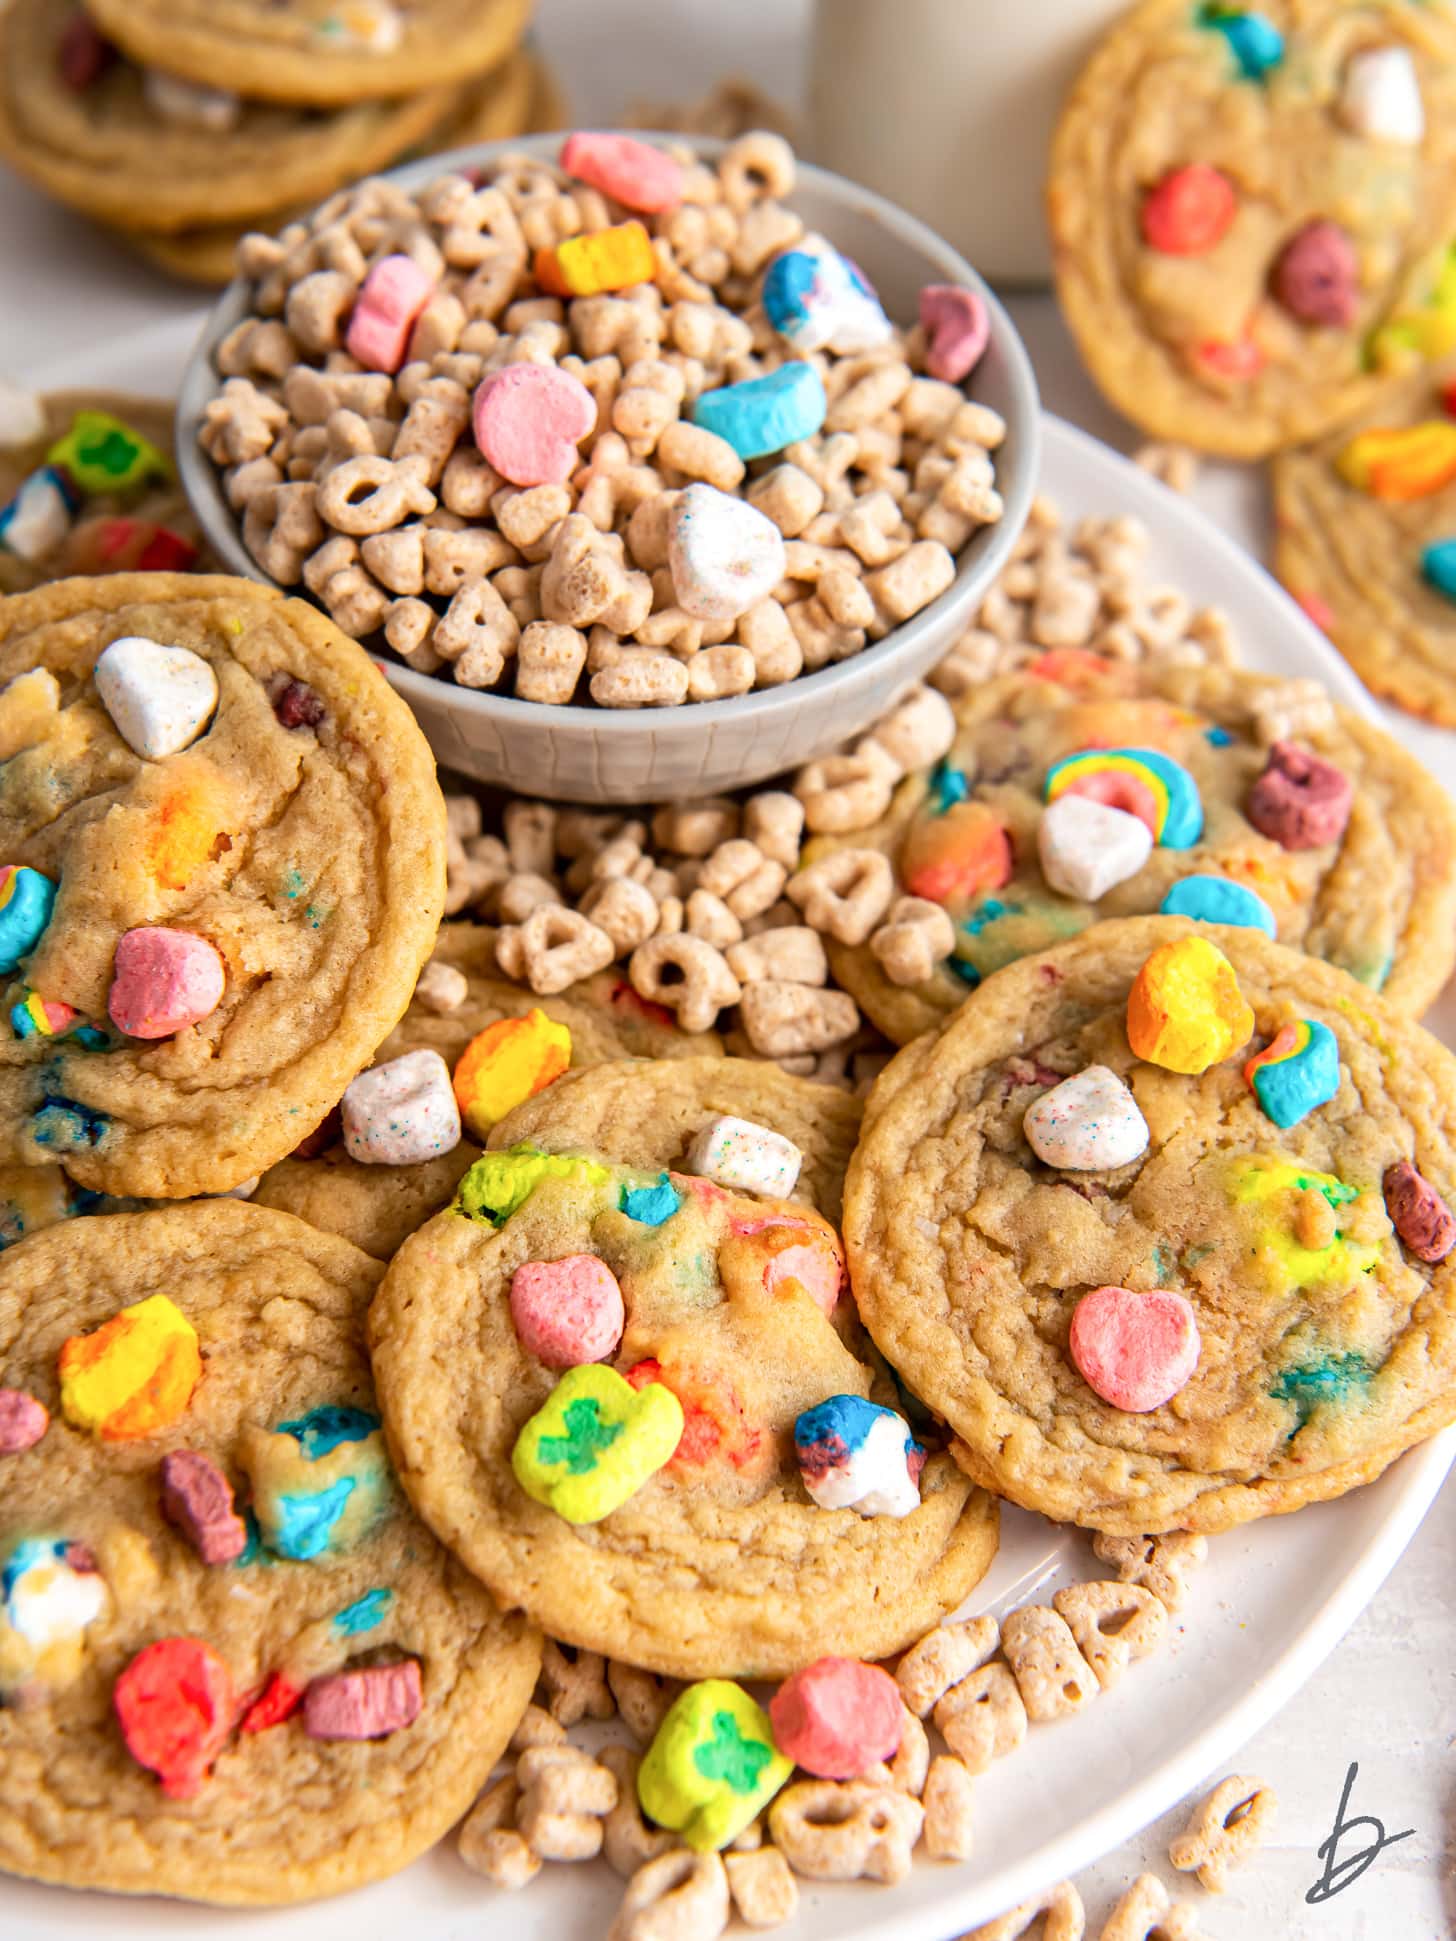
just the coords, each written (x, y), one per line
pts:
(37, 519)
(724, 554)
(1087, 848)
(742, 1156)
(22, 416)
(160, 698)
(1089, 1123)
(1381, 97)
(402, 1113)
(51, 1604)
(190, 104)
(876, 1479)
(839, 313)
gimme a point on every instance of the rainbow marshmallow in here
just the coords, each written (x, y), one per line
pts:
(1297, 1073)
(1142, 782)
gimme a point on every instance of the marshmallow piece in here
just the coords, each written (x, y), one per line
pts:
(402, 1113)
(1419, 1215)
(1087, 848)
(1300, 801)
(134, 1375)
(1297, 1073)
(1381, 96)
(52, 1591)
(35, 523)
(23, 1421)
(375, 25)
(506, 1064)
(22, 416)
(366, 1704)
(957, 328)
(198, 1498)
(175, 1705)
(764, 414)
(631, 172)
(712, 1766)
(1134, 1350)
(837, 1717)
(190, 104)
(159, 698)
(855, 1455)
(818, 300)
(1214, 899)
(1185, 1010)
(26, 901)
(724, 554)
(529, 419)
(594, 264)
(567, 1312)
(1088, 1123)
(595, 1441)
(742, 1156)
(386, 310)
(164, 981)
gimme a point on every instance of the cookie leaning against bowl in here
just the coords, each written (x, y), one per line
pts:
(130, 513)
(1251, 209)
(713, 1320)
(1365, 540)
(1015, 1248)
(108, 149)
(1184, 748)
(186, 1358)
(377, 1207)
(225, 866)
(314, 51)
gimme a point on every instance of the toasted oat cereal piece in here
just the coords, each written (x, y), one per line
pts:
(1223, 1830)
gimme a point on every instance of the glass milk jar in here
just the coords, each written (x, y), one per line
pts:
(948, 106)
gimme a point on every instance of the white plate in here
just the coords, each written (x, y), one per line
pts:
(1274, 1599)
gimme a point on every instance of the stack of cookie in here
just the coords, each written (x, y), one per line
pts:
(184, 127)
(1253, 211)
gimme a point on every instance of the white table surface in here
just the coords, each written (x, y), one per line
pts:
(1387, 1697)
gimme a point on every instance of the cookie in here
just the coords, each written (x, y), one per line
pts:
(281, 877)
(376, 1207)
(109, 151)
(141, 520)
(1379, 902)
(250, 1806)
(1271, 1245)
(705, 1554)
(1251, 211)
(519, 97)
(1365, 540)
(625, 1116)
(320, 53)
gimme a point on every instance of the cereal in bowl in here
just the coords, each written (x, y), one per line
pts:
(615, 429)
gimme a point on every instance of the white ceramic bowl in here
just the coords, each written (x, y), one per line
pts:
(586, 754)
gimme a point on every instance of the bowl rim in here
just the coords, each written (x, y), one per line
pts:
(976, 570)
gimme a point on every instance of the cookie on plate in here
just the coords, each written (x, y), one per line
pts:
(377, 1206)
(1041, 818)
(223, 855)
(592, 1373)
(1160, 1224)
(269, 1681)
(148, 152)
(1365, 540)
(317, 52)
(1251, 212)
(119, 507)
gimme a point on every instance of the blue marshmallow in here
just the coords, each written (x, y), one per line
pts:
(764, 414)
(1213, 899)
